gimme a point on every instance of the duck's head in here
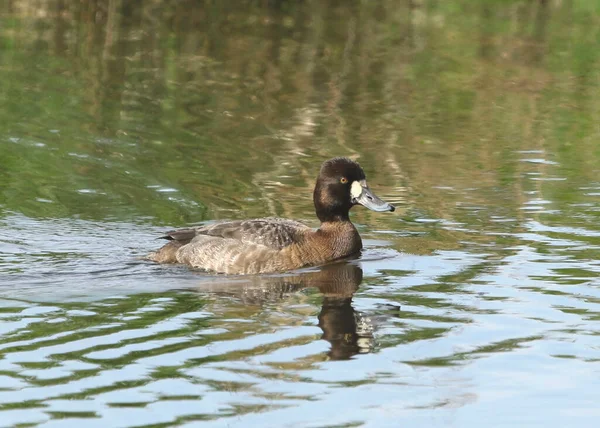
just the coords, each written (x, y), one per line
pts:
(341, 184)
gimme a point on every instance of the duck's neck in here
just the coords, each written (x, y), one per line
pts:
(336, 225)
(330, 218)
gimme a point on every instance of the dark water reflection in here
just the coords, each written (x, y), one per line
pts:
(344, 328)
(477, 301)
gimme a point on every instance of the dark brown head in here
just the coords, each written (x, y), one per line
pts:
(341, 184)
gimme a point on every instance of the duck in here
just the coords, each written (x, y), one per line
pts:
(275, 245)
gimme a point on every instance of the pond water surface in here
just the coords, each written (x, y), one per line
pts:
(476, 303)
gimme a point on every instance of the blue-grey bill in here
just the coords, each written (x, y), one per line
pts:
(368, 200)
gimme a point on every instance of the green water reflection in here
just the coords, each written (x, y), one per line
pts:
(183, 111)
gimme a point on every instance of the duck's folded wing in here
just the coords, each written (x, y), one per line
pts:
(274, 233)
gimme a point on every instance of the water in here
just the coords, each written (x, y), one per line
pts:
(477, 301)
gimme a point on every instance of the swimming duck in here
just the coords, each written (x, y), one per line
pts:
(269, 245)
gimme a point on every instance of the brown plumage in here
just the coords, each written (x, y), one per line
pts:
(269, 245)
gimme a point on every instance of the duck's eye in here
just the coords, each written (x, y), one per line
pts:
(343, 180)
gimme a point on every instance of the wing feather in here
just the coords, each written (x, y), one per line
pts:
(274, 233)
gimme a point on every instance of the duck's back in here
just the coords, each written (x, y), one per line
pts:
(272, 232)
(237, 247)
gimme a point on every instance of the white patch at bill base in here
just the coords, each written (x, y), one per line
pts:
(356, 189)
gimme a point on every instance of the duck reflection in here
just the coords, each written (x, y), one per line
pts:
(348, 331)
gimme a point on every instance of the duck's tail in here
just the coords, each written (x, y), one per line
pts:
(166, 254)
